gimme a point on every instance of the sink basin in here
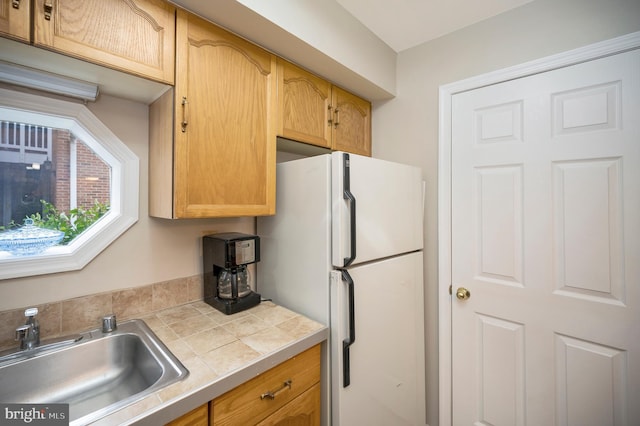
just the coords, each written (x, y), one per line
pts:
(101, 373)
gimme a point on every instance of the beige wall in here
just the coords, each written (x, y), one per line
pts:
(406, 128)
(151, 251)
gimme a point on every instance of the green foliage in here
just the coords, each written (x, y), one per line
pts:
(73, 223)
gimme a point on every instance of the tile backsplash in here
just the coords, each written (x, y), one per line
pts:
(84, 313)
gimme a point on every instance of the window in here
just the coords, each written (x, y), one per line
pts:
(57, 155)
(52, 177)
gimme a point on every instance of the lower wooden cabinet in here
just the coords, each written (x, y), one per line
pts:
(302, 411)
(197, 417)
(288, 394)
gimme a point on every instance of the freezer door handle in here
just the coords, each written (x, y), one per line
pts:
(346, 343)
(347, 195)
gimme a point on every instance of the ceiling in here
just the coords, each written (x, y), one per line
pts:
(403, 24)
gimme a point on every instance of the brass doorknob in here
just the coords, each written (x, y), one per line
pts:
(462, 293)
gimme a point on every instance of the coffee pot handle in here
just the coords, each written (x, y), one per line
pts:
(234, 285)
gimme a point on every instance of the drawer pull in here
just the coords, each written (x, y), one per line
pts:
(272, 395)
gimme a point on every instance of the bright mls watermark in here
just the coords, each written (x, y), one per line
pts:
(34, 414)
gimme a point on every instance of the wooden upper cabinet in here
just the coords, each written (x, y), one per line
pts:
(223, 160)
(136, 36)
(15, 19)
(304, 102)
(351, 123)
(312, 110)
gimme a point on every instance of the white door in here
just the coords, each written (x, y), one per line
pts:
(546, 239)
(385, 379)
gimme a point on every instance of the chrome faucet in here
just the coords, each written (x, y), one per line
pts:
(29, 334)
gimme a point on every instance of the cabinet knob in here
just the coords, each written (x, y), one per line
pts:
(15, 4)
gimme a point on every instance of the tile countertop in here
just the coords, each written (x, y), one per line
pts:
(220, 351)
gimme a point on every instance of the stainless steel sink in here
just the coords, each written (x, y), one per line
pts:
(99, 374)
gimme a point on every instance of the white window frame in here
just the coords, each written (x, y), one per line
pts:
(123, 211)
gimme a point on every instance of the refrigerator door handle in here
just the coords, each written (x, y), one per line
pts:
(347, 195)
(346, 343)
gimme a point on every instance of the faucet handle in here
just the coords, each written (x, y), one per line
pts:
(23, 332)
(31, 312)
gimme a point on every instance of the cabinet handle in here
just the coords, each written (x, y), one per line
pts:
(48, 8)
(330, 120)
(272, 395)
(184, 114)
(15, 4)
(335, 123)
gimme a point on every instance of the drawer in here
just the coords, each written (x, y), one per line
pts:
(244, 405)
(304, 410)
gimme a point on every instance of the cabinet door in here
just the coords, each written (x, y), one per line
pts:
(303, 101)
(196, 417)
(14, 19)
(351, 123)
(226, 98)
(135, 36)
(302, 411)
(249, 403)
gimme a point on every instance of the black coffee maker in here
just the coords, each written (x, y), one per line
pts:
(227, 281)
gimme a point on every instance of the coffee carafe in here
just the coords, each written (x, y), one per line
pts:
(234, 282)
(227, 280)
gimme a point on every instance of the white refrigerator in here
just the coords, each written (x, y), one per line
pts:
(345, 249)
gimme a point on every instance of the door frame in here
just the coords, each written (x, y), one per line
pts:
(446, 92)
